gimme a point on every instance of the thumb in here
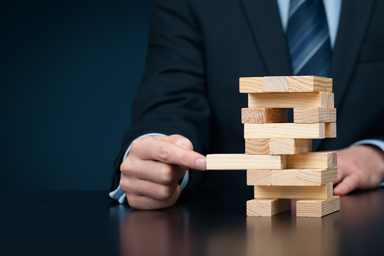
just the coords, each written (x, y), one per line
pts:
(185, 143)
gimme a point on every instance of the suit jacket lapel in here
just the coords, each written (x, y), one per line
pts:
(264, 20)
(353, 23)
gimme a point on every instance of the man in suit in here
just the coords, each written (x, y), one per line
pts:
(197, 52)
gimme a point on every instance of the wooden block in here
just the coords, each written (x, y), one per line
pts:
(251, 84)
(303, 177)
(289, 100)
(294, 192)
(330, 130)
(281, 131)
(284, 178)
(263, 115)
(244, 162)
(267, 207)
(289, 146)
(309, 84)
(330, 100)
(312, 160)
(315, 177)
(257, 146)
(314, 115)
(317, 208)
(275, 84)
(259, 177)
(297, 84)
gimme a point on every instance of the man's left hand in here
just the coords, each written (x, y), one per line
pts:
(359, 167)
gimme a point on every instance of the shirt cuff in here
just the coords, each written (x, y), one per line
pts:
(373, 142)
(118, 193)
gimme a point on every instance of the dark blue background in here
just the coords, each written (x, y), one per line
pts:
(68, 73)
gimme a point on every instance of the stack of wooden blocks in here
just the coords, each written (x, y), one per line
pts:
(278, 157)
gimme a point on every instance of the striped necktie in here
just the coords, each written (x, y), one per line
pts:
(308, 38)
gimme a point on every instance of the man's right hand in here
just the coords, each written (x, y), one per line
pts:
(154, 165)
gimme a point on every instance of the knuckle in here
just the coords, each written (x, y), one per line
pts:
(164, 152)
(134, 145)
(133, 201)
(167, 176)
(165, 192)
(183, 142)
(126, 167)
(124, 184)
(137, 145)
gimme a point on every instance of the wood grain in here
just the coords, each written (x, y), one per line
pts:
(289, 146)
(244, 162)
(257, 146)
(317, 208)
(263, 115)
(259, 177)
(251, 84)
(309, 84)
(275, 84)
(330, 100)
(303, 177)
(330, 130)
(285, 84)
(281, 131)
(289, 100)
(294, 192)
(312, 160)
(314, 115)
(267, 207)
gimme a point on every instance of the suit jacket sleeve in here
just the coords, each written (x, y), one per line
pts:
(171, 98)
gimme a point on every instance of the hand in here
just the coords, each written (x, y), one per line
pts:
(359, 167)
(154, 165)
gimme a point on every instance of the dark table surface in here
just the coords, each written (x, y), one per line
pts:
(204, 223)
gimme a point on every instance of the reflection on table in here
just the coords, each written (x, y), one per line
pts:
(189, 230)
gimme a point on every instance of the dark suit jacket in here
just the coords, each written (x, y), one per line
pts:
(198, 49)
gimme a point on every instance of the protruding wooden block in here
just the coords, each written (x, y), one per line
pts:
(244, 162)
(267, 207)
(257, 146)
(297, 84)
(251, 84)
(314, 115)
(259, 177)
(289, 146)
(263, 115)
(303, 177)
(330, 130)
(290, 100)
(317, 208)
(281, 131)
(312, 160)
(294, 192)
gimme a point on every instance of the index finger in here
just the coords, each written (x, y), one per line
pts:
(171, 153)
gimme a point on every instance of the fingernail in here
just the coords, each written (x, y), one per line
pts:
(201, 164)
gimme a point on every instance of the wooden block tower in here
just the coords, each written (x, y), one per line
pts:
(278, 157)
